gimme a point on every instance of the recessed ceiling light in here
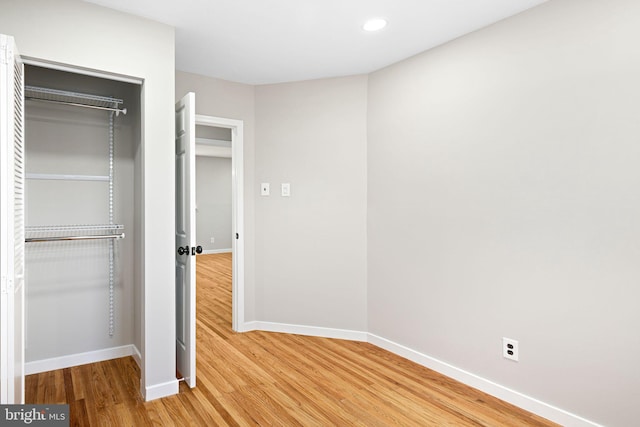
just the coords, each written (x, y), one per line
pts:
(374, 24)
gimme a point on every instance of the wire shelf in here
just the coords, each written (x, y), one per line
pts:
(74, 98)
(72, 227)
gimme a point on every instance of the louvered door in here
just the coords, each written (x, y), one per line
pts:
(12, 223)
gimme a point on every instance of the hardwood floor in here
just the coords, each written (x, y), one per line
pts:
(260, 378)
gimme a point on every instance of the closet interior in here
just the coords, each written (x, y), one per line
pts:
(82, 214)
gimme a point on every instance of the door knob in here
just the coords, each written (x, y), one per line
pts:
(183, 250)
(196, 250)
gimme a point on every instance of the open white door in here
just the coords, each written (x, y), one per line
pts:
(185, 239)
(12, 223)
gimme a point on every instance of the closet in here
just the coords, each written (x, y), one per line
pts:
(82, 145)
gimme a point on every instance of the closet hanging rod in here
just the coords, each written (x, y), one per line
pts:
(74, 98)
(61, 177)
(61, 238)
(72, 227)
(95, 107)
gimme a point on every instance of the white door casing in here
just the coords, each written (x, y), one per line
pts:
(185, 239)
(12, 223)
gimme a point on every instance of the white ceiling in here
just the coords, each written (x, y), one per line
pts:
(260, 41)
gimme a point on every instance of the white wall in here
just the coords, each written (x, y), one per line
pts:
(219, 98)
(502, 202)
(84, 35)
(311, 247)
(213, 203)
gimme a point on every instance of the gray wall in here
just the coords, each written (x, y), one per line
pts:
(312, 135)
(219, 98)
(213, 203)
(311, 247)
(502, 202)
(498, 200)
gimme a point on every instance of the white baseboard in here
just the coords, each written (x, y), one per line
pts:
(246, 327)
(313, 331)
(216, 251)
(158, 391)
(516, 398)
(62, 362)
(169, 388)
(148, 393)
(137, 356)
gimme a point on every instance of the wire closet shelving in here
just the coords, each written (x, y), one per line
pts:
(57, 233)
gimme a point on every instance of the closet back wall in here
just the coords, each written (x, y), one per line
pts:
(67, 283)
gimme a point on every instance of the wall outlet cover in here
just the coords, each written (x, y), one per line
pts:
(510, 349)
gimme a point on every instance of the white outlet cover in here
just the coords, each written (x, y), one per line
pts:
(510, 345)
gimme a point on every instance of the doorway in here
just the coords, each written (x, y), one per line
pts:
(214, 229)
(216, 133)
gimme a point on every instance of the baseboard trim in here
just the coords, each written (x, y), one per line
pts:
(137, 356)
(62, 362)
(170, 388)
(513, 397)
(313, 331)
(516, 398)
(246, 327)
(158, 391)
(216, 251)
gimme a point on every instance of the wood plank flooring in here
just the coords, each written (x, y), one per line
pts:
(269, 379)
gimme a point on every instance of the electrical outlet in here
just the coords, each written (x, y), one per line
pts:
(213, 240)
(510, 349)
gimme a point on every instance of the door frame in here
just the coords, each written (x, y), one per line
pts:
(237, 213)
(137, 349)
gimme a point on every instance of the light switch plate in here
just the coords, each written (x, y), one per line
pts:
(286, 189)
(264, 189)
